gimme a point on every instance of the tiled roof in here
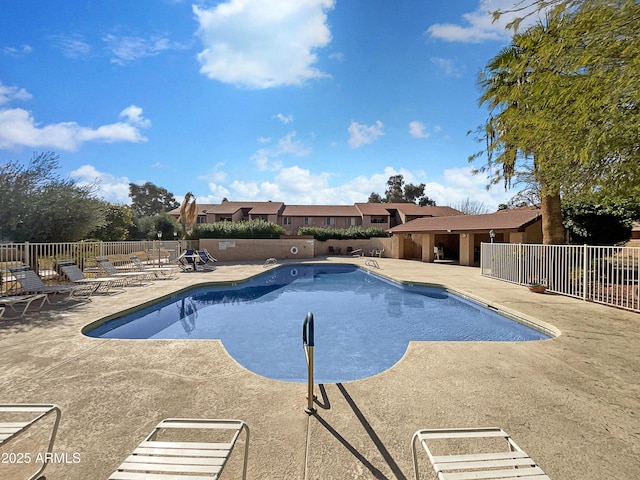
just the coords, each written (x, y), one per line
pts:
(501, 220)
(229, 208)
(320, 211)
(406, 208)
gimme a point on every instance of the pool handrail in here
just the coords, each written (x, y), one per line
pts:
(308, 345)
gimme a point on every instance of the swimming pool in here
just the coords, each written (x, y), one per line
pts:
(363, 322)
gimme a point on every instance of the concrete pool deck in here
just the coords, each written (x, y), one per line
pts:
(572, 402)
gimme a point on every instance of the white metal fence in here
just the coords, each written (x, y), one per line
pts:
(43, 257)
(608, 275)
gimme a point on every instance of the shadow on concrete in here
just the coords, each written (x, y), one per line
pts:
(326, 404)
(370, 431)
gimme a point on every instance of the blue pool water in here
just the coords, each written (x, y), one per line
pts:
(363, 323)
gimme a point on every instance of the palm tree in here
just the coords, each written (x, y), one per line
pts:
(188, 213)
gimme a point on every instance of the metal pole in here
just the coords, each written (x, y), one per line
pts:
(308, 344)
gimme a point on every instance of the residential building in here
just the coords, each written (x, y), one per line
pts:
(292, 217)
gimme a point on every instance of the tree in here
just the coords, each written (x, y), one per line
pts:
(398, 192)
(148, 227)
(596, 223)
(470, 207)
(149, 199)
(374, 198)
(36, 205)
(563, 100)
(119, 220)
(394, 192)
(188, 213)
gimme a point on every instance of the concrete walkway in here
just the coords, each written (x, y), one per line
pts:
(572, 402)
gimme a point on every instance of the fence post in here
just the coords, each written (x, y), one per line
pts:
(27, 254)
(520, 256)
(585, 271)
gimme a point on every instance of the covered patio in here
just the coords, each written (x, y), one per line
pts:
(457, 239)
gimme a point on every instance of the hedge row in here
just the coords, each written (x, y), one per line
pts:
(249, 229)
(352, 233)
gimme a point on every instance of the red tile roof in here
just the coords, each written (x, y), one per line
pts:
(502, 220)
(406, 208)
(320, 211)
(229, 208)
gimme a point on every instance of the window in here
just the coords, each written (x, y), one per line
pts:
(378, 219)
(353, 221)
(308, 221)
(225, 219)
(201, 219)
(286, 220)
(331, 220)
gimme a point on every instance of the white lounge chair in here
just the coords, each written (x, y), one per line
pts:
(509, 464)
(32, 283)
(75, 275)
(129, 278)
(161, 273)
(18, 425)
(14, 300)
(155, 458)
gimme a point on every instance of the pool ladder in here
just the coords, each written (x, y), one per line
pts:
(308, 344)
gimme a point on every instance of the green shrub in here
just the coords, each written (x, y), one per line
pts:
(352, 233)
(250, 229)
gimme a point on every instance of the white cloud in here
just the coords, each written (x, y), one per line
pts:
(127, 49)
(109, 187)
(218, 192)
(478, 26)
(287, 145)
(8, 94)
(460, 183)
(72, 45)
(448, 67)
(360, 134)
(215, 175)
(18, 128)
(24, 49)
(284, 118)
(133, 116)
(417, 130)
(300, 186)
(263, 43)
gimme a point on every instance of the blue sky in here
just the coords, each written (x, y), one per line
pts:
(300, 101)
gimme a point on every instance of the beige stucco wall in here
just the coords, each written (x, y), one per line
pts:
(381, 243)
(534, 233)
(238, 250)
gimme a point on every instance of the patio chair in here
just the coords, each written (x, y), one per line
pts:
(187, 260)
(512, 463)
(14, 300)
(12, 429)
(208, 262)
(129, 278)
(155, 458)
(192, 259)
(75, 275)
(161, 273)
(32, 283)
